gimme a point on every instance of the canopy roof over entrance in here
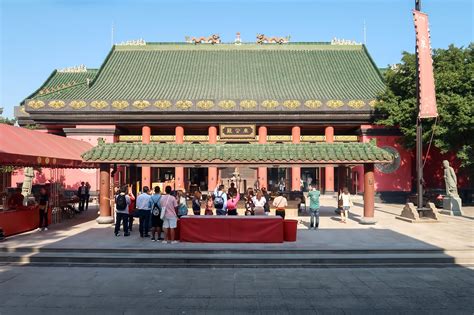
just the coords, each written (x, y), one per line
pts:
(255, 154)
(24, 147)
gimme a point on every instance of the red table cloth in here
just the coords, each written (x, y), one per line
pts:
(231, 229)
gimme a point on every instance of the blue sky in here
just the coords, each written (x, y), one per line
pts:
(42, 35)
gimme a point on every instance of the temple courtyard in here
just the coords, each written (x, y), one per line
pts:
(392, 267)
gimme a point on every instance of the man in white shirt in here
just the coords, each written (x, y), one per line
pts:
(280, 203)
(144, 212)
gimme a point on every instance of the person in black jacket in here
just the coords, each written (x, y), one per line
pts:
(82, 193)
(197, 203)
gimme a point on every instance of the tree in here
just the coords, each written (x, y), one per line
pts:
(454, 78)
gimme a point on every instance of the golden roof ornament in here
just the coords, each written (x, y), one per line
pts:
(262, 39)
(213, 39)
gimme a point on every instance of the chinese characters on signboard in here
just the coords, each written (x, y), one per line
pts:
(237, 132)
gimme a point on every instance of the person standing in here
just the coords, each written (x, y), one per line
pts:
(82, 193)
(156, 221)
(249, 206)
(169, 205)
(346, 204)
(131, 209)
(232, 190)
(88, 194)
(266, 207)
(209, 206)
(314, 195)
(144, 211)
(281, 185)
(182, 205)
(220, 200)
(43, 209)
(122, 201)
(232, 203)
(280, 203)
(196, 203)
(256, 184)
(259, 203)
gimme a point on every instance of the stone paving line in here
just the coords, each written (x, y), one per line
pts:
(389, 233)
(72, 290)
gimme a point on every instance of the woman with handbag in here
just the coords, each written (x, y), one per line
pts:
(43, 209)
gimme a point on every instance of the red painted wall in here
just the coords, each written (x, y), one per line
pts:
(401, 179)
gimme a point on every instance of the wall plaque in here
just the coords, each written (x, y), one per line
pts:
(237, 132)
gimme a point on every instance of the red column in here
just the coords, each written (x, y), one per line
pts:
(369, 195)
(179, 170)
(329, 170)
(212, 171)
(295, 170)
(105, 215)
(146, 170)
(262, 171)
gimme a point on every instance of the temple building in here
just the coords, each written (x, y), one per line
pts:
(208, 92)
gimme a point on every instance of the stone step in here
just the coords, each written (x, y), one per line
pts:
(223, 249)
(231, 259)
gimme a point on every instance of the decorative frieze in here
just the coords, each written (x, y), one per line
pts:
(208, 105)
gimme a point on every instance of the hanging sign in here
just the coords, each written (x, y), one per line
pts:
(237, 132)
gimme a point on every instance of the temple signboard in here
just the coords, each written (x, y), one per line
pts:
(237, 132)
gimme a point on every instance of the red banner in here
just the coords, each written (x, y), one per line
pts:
(426, 84)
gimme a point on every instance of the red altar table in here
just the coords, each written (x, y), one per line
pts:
(231, 229)
(20, 220)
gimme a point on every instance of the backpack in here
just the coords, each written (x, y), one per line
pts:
(156, 209)
(218, 201)
(121, 202)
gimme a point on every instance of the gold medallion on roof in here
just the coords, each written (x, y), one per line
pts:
(99, 104)
(141, 104)
(77, 104)
(36, 104)
(120, 104)
(248, 104)
(184, 104)
(313, 103)
(206, 104)
(56, 104)
(334, 103)
(228, 104)
(356, 104)
(270, 104)
(162, 104)
(292, 104)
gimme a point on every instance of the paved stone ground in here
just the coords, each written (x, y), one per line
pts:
(389, 233)
(62, 290)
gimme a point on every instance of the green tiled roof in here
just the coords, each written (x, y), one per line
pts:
(305, 71)
(59, 82)
(238, 153)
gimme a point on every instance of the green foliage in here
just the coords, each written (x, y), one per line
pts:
(8, 121)
(454, 77)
